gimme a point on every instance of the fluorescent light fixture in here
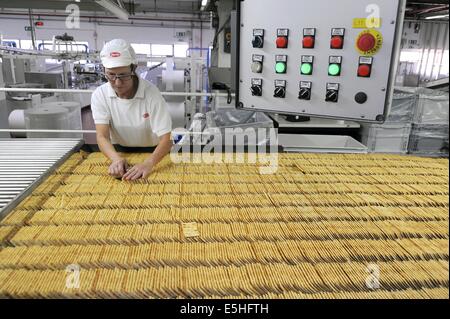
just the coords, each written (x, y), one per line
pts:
(442, 16)
(114, 9)
(204, 4)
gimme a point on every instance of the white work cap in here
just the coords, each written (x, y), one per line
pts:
(117, 53)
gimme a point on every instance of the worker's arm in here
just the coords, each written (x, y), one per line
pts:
(119, 165)
(143, 170)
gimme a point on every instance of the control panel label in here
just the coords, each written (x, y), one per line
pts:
(283, 32)
(336, 59)
(307, 59)
(305, 85)
(258, 58)
(309, 32)
(281, 58)
(333, 86)
(281, 83)
(367, 23)
(338, 32)
(365, 60)
(258, 32)
(257, 82)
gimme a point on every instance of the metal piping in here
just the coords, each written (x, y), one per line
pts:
(37, 90)
(180, 19)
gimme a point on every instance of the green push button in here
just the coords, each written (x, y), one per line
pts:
(280, 67)
(306, 68)
(334, 69)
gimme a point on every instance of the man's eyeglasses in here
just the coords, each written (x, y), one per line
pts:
(122, 77)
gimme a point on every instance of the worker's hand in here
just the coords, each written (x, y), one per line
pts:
(118, 168)
(138, 171)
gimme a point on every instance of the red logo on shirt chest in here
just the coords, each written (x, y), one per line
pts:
(146, 116)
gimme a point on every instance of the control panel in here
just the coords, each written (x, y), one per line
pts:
(333, 59)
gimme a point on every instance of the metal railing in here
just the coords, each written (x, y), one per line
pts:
(38, 90)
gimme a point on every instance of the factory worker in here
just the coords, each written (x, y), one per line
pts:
(129, 111)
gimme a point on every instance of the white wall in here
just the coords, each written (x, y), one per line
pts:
(96, 34)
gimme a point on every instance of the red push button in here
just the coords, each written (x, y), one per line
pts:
(337, 42)
(308, 42)
(364, 70)
(366, 42)
(282, 42)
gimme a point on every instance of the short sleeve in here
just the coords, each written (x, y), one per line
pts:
(160, 118)
(100, 110)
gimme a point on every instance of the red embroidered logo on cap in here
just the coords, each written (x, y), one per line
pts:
(146, 116)
(115, 54)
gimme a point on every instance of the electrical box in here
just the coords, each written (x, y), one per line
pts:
(321, 58)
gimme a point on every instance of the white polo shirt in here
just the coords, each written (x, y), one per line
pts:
(136, 122)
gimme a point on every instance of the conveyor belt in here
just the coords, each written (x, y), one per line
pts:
(322, 226)
(25, 162)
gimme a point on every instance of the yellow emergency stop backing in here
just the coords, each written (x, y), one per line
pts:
(378, 44)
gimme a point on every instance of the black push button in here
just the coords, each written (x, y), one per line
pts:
(361, 98)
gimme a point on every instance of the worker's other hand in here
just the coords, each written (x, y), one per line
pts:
(118, 168)
(138, 171)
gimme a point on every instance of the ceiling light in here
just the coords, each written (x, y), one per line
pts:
(442, 16)
(204, 4)
(114, 9)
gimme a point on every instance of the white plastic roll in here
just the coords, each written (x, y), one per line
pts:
(47, 118)
(173, 81)
(74, 112)
(16, 121)
(74, 116)
(176, 110)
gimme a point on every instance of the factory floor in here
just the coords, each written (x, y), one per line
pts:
(322, 226)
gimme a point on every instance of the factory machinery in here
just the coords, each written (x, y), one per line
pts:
(35, 78)
(321, 226)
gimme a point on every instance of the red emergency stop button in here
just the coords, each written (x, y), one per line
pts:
(366, 42)
(282, 42)
(308, 42)
(337, 42)
(364, 70)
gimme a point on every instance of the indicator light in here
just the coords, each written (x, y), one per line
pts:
(337, 42)
(334, 69)
(282, 42)
(308, 42)
(364, 70)
(306, 68)
(280, 67)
